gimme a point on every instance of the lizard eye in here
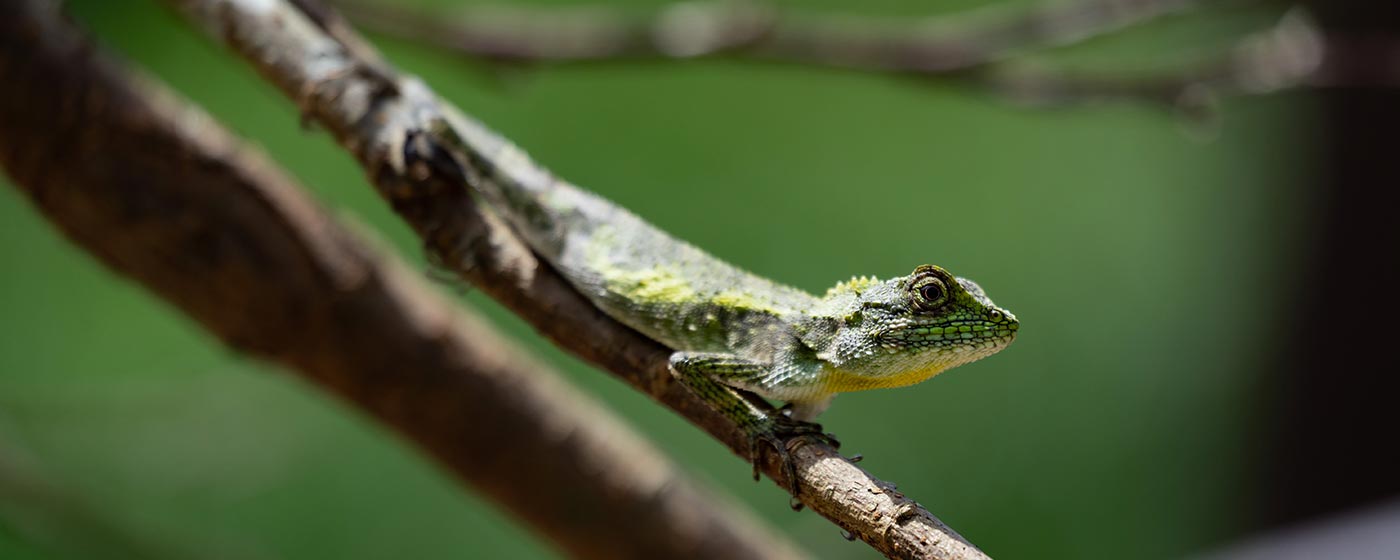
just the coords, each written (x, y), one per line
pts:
(932, 293)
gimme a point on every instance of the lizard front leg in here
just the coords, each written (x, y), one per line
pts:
(713, 377)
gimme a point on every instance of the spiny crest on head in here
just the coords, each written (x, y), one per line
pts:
(855, 285)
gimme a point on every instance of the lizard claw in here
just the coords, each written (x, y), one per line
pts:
(783, 435)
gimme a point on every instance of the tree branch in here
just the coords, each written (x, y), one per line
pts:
(982, 49)
(159, 192)
(753, 30)
(975, 49)
(380, 118)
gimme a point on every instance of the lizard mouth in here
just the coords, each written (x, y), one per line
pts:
(954, 334)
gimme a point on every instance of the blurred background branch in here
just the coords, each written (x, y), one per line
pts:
(755, 30)
(167, 197)
(986, 49)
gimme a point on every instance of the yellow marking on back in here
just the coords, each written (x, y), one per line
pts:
(653, 285)
(656, 285)
(741, 300)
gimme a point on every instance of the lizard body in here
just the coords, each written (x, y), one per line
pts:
(732, 329)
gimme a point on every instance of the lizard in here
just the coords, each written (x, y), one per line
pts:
(731, 331)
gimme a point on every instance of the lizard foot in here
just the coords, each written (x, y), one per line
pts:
(784, 435)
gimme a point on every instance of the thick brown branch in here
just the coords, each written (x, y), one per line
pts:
(379, 118)
(160, 193)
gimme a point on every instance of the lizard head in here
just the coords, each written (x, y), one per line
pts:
(907, 329)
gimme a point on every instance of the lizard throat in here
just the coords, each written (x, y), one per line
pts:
(907, 368)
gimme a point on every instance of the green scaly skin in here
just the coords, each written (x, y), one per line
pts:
(731, 329)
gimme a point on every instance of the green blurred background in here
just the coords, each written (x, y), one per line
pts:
(1146, 255)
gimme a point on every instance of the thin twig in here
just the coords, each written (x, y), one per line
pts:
(380, 118)
(159, 192)
(968, 49)
(983, 49)
(1286, 55)
(754, 30)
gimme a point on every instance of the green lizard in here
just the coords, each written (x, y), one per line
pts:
(731, 329)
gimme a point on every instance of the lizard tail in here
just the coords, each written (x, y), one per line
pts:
(541, 208)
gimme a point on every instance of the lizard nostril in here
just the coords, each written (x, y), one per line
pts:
(996, 316)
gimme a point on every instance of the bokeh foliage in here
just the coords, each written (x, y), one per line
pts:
(1147, 257)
